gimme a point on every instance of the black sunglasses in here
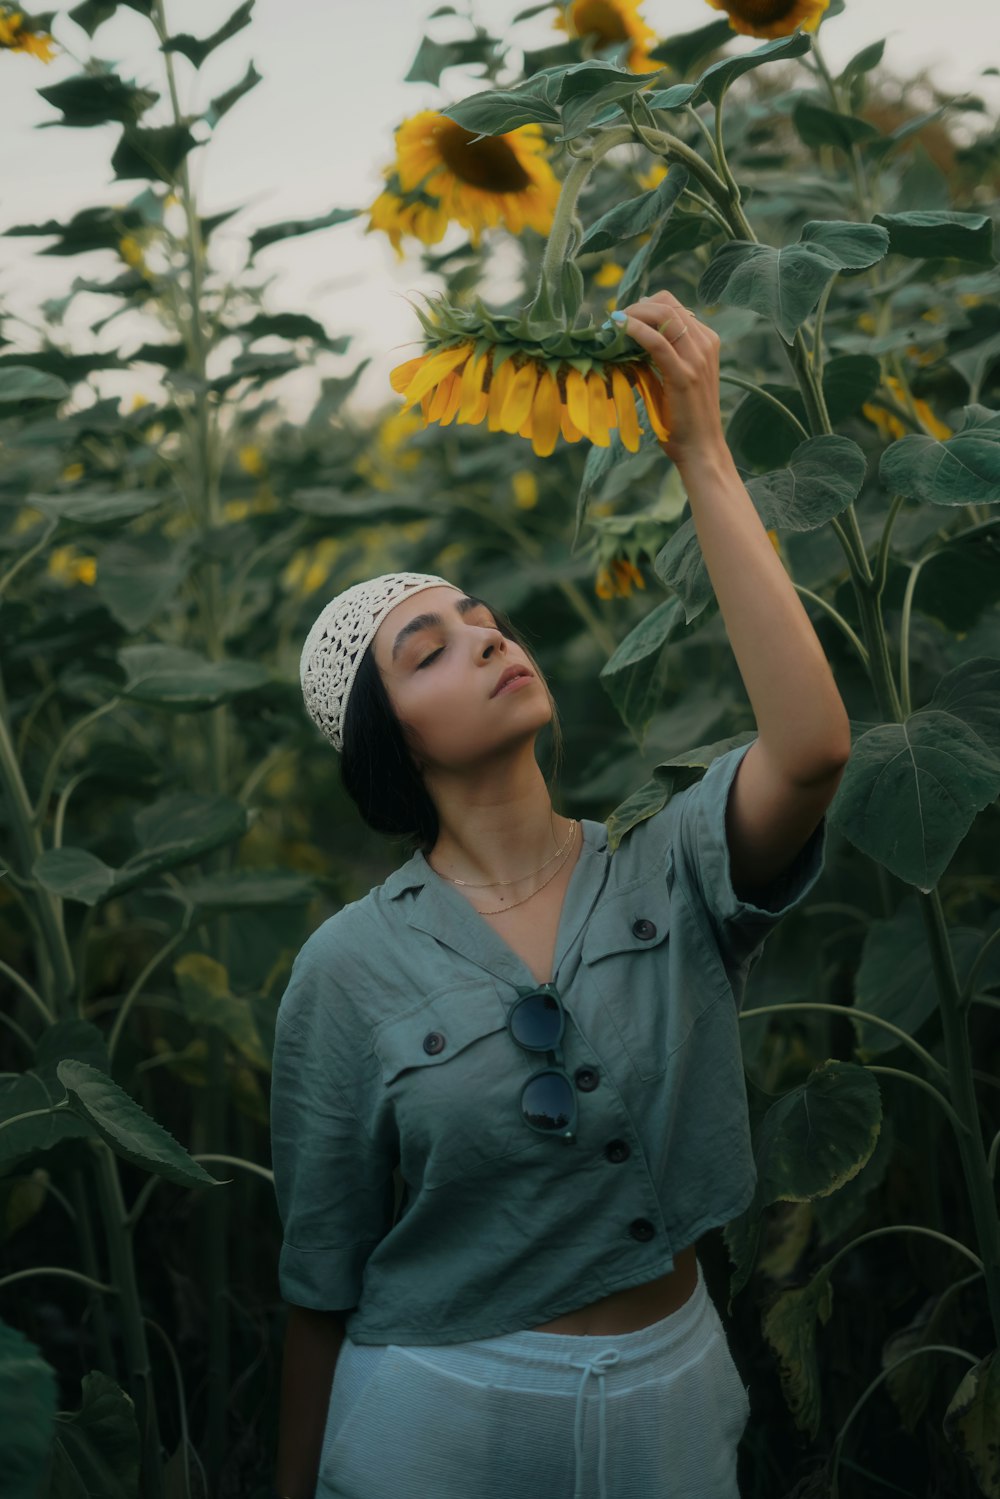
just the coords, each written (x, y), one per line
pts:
(548, 1099)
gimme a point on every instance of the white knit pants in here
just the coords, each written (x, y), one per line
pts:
(653, 1414)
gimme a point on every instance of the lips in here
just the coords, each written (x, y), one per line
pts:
(508, 676)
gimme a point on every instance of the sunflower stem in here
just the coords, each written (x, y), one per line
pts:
(562, 231)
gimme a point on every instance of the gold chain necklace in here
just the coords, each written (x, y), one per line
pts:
(499, 909)
(491, 884)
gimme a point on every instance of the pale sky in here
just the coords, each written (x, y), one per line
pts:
(314, 135)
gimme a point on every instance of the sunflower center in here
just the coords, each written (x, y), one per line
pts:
(602, 17)
(490, 164)
(762, 10)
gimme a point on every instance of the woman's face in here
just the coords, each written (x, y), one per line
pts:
(441, 678)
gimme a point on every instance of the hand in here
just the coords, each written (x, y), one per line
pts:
(689, 365)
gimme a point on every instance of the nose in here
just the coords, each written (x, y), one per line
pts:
(494, 641)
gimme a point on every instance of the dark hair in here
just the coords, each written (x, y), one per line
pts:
(377, 769)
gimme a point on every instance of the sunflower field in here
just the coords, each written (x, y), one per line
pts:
(172, 828)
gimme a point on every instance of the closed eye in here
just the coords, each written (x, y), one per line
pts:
(430, 657)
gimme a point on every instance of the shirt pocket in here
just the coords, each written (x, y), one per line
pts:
(629, 952)
(452, 1075)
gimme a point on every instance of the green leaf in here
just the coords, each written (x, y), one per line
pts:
(97, 98)
(75, 874)
(96, 1450)
(669, 777)
(972, 1421)
(290, 325)
(635, 677)
(172, 677)
(683, 51)
(790, 1326)
(36, 1091)
(910, 791)
(786, 283)
(634, 216)
(939, 233)
(633, 283)
(818, 126)
(138, 575)
(246, 889)
(863, 62)
(818, 1135)
(293, 228)
(208, 1000)
(90, 229)
(156, 154)
(895, 979)
(500, 110)
(763, 438)
(823, 476)
(196, 51)
(223, 103)
(124, 1125)
(94, 509)
(962, 580)
(717, 78)
(962, 470)
(92, 14)
(22, 382)
(171, 832)
(29, 1392)
(433, 57)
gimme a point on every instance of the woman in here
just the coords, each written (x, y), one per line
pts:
(540, 1040)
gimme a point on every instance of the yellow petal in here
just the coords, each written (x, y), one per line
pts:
(519, 398)
(577, 400)
(437, 366)
(545, 415)
(472, 390)
(597, 414)
(628, 422)
(503, 379)
(453, 400)
(440, 398)
(568, 427)
(652, 394)
(400, 377)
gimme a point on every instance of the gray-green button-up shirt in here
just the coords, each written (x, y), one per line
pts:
(500, 1228)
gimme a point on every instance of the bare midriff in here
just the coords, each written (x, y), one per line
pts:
(634, 1307)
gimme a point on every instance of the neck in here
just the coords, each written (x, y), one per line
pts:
(498, 828)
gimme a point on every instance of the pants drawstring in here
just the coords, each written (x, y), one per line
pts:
(597, 1366)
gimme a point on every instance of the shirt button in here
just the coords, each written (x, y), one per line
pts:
(433, 1043)
(641, 1228)
(617, 1150)
(587, 1079)
(643, 928)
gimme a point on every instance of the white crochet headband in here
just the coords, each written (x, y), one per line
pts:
(339, 638)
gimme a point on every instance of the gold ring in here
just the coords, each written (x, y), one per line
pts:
(680, 335)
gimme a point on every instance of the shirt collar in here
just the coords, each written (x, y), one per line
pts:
(442, 911)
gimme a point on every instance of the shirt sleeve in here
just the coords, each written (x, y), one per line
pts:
(702, 849)
(334, 1186)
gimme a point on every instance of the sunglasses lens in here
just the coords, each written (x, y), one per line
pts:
(547, 1101)
(535, 1022)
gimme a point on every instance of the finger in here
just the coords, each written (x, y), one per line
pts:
(666, 314)
(653, 341)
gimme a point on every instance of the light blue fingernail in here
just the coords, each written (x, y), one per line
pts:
(619, 317)
(607, 323)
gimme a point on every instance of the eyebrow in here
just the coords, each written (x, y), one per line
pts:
(464, 606)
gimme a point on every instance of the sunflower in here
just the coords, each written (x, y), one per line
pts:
(479, 183)
(618, 579)
(397, 213)
(772, 18)
(17, 35)
(538, 397)
(611, 22)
